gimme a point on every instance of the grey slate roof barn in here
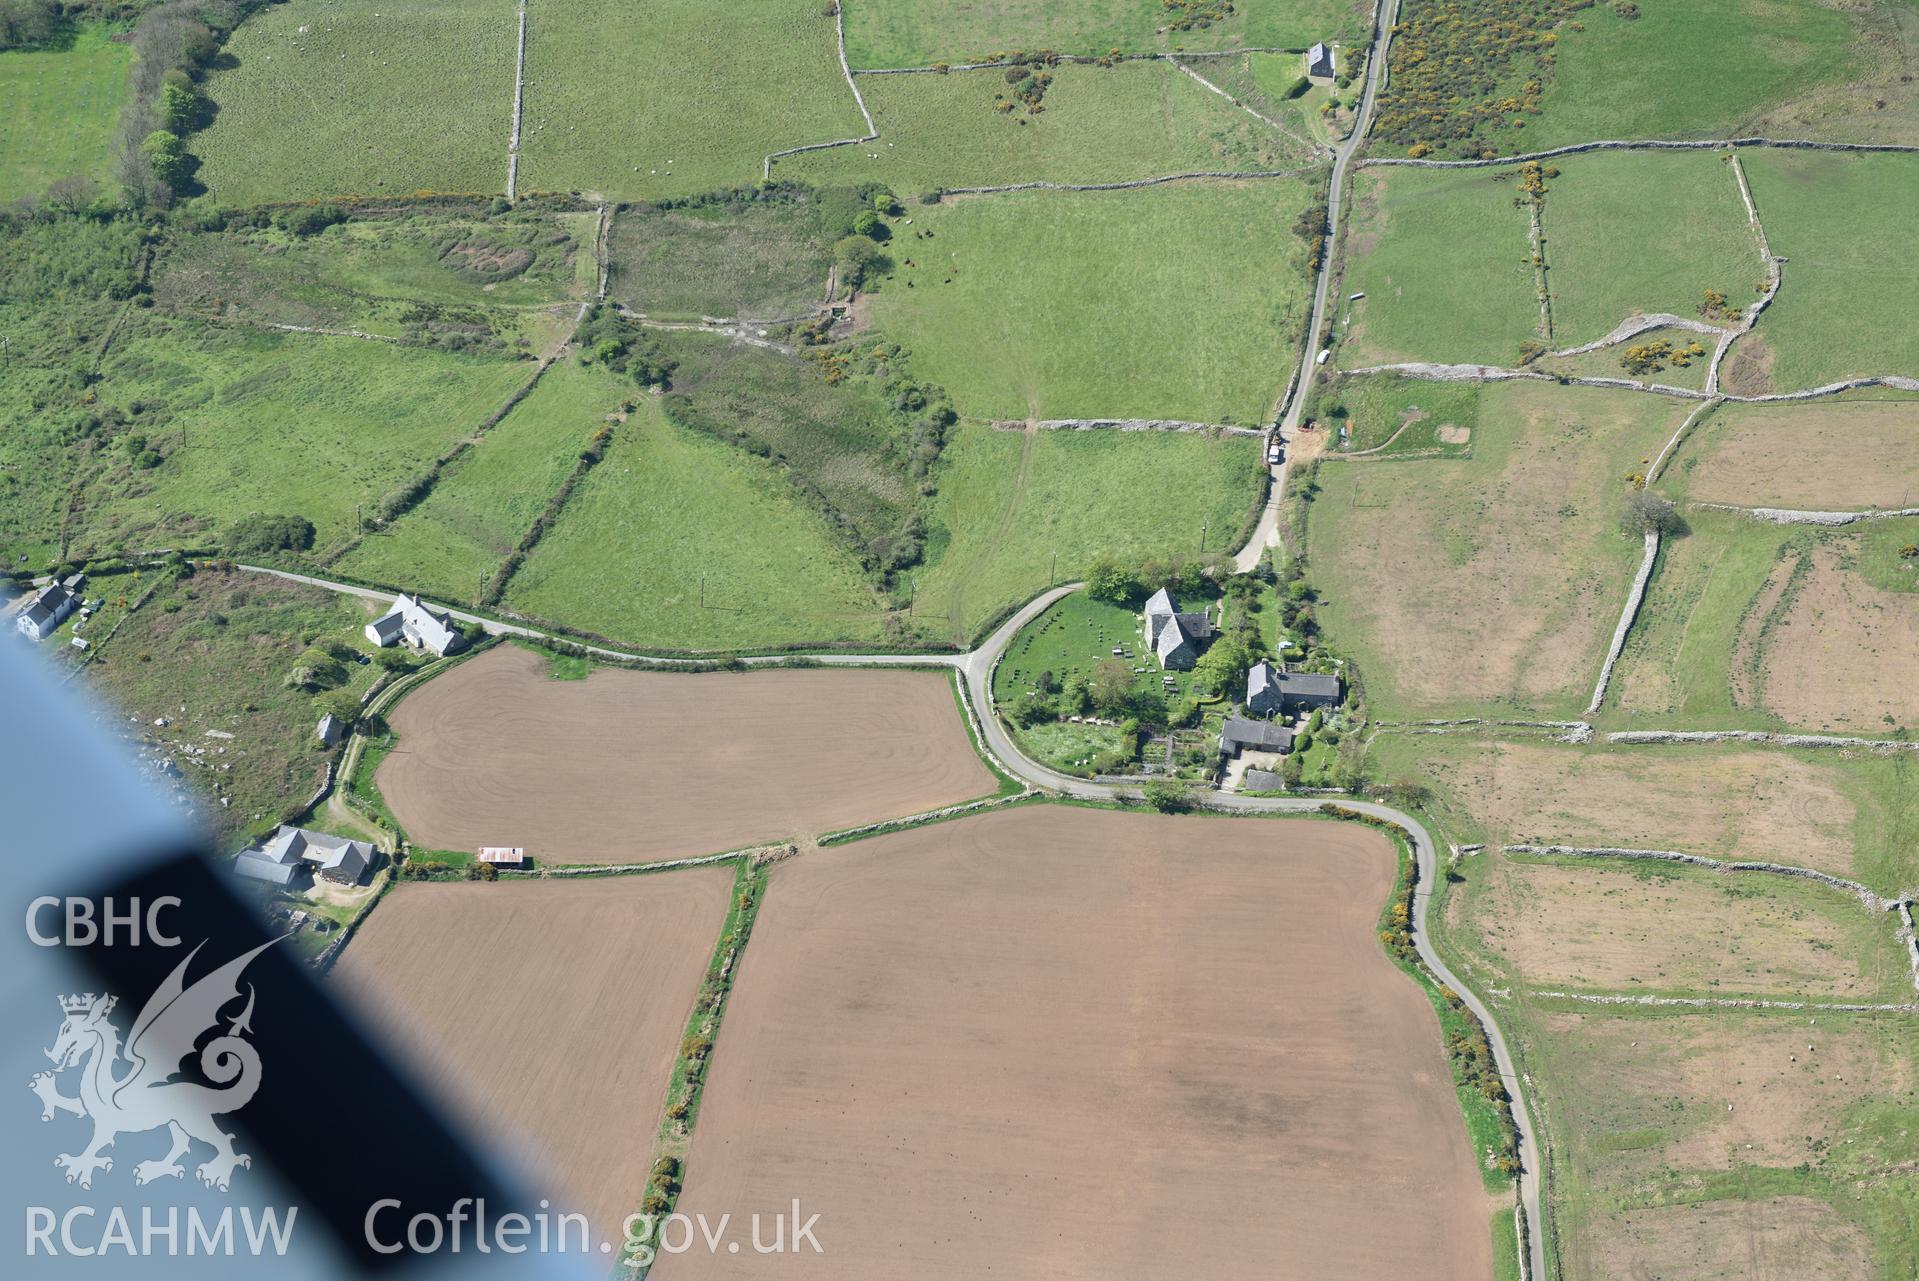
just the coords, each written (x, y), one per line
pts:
(330, 730)
(1319, 60)
(1262, 736)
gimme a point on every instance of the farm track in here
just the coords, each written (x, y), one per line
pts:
(1286, 425)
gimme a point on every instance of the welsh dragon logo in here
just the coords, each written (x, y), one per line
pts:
(131, 1090)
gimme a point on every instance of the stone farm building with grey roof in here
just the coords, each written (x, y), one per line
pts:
(1262, 736)
(1319, 60)
(291, 854)
(1271, 692)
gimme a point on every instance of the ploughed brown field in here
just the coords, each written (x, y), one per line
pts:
(549, 1012)
(632, 767)
(1070, 1043)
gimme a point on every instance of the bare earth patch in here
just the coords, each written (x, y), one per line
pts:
(1493, 580)
(549, 1011)
(1453, 434)
(632, 767)
(1730, 805)
(1818, 456)
(1720, 1090)
(1847, 653)
(1780, 1239)
(1747, 369)
(1067, 1043)
(1596, 926)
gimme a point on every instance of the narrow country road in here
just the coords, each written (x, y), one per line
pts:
(1266, 532)
(976, 671)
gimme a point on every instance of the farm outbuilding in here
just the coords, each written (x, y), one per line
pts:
(1319, 61)
(502, 855)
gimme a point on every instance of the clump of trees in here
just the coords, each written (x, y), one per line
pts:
(623, 347)
(174, 44)
(1108, 580)
(261, 533)
(27, 24)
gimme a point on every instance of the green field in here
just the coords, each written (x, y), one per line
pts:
(57, 111)
(487, 499)
(213, 652)
(1172, 302)
(372, 98)
(688, 100)
(1017, 511)
(1112, 124)
(842, 445)
(1844, 225)
(917, 33)
(1704, 69)
(678, 541)
(1644, 232)
(1487, 585)
(761, 259)
(279, 424)
(1444, 260)
(453, 277)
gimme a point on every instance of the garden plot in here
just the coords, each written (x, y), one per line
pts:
(998, 1038)
(57, 110)
(280, 424)
(1488, 585)
(1180, 302)
(917, 33)
(547, 1013)
(1097, 125)
(330, 97)
(1844, 225)
(1820, 455)
(1661, 928)
(1854, 815)
(689, 99)
(486, 501)
(1748, 624)
(1445, 262)
(1017, 511)
(625, 767)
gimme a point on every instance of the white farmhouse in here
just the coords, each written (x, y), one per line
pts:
(49, 608)
(418, 625)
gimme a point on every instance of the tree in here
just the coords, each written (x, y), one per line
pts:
(343, 705)
(178, 104)
(1647, 513)
(1111, 685)
(1167, 796)
(859, 256)
(867, 224)
(167, 157)
(1106, 581)
(1224, 665)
